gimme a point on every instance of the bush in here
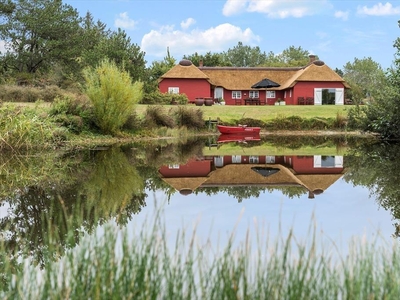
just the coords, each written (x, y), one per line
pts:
(13, 93)
(157, 116)
(76, 114)
(189, 117)
(164, 98)
(112, 94)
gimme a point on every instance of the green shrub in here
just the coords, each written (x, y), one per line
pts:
(14, 93)
(133, 122)
(76, 114)
(188, 117)
(112, 94)
(157, 116)
(250, 122)
(164, 98)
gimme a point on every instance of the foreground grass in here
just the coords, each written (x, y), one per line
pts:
(110, 265)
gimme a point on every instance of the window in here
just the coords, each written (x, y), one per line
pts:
(254, 94)
(270, 159)
(253, 159)
(236, 95)
(236, 159)
(322, 161)
(173, 90)
(174, 166)
(270, 94)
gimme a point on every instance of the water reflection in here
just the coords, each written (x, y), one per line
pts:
(293, 175)
(51, 199)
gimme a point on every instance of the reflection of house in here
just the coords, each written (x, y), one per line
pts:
(314, 83)
(314, 173)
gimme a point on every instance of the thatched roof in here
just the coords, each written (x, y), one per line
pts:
(187, 183)
(244, 78)
(316, 182)
(235, 78)
(240, 174)
(185, 70)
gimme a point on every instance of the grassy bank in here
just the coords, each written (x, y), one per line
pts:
(111, 265)
(30, 125)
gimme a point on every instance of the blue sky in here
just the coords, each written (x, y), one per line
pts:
(338, 31)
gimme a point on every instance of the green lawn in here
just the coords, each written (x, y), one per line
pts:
(266, 112)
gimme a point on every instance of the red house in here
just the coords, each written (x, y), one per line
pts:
(315, 173)
(313, 84)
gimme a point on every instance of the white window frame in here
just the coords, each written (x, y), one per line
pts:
(173, 90)
(236, 159)
(236, 95)
(254, 94)
(173, 166)
(338, 162)
(271, 94)
(270, 159)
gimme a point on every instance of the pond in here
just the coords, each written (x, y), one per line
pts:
(339, 187)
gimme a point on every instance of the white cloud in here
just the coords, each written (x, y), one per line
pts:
(179, 42)
(275, 8)
(379, 9)
(187, 23)
(123, 21)
(344, 15)
(232, 7)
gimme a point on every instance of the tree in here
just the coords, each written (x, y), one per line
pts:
(290, 57)
(118, 48)
(244, 56)
(38, 35)
(294, 57)
(365, 77)
(112, 94)
(339, 72)
(156, 70)
(209, 59)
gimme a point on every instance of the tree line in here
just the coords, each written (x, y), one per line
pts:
(48, 41)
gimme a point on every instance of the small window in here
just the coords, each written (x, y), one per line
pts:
(254, 94)
(270, 159)
(173, 90)
(174, 166)
(236, 159)
(236, 95)
(253, 159)
(270, 94)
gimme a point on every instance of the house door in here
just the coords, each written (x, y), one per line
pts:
(218, 93)
(328, 96)
(339, 96)
(317, 96)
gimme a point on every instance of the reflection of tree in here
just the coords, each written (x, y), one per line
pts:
(246, 192)
(47, 217)
(377, 168)
(112, 186)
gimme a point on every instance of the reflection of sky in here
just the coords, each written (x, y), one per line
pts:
(4, 209)
(341, 213)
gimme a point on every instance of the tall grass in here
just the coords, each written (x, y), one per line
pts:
(27, 128)
(113, 265)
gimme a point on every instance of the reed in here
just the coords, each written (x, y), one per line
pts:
(114, 265)
(26, 128)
